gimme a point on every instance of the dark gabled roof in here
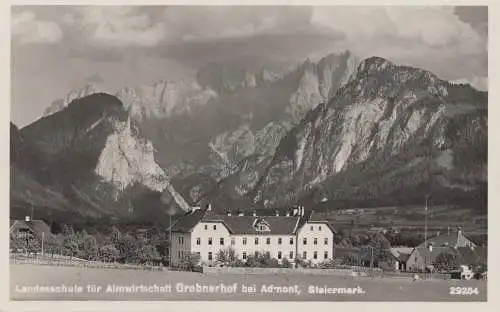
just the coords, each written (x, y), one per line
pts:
(38, 227)
(447, 239)
(436, 251)
(188, 221)
(314, 217)
(469, 255)
(278, 225)
(245, 224)
(401, 253)
(482, 253)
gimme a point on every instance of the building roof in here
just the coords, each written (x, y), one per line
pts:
(188, 221)
(469, 255)
(447, 239)
(401, 253)
(315, 217)
(38, 227)
(436, 251)
(278, 225)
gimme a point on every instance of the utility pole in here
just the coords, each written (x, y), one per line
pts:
(43, 236)
(170, 242)
(425, 237)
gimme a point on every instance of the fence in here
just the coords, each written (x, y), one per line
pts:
(59, 260)
(343, 271)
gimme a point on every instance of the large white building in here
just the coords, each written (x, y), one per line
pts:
(288, 236)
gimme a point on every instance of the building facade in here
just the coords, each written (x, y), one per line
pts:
(288, 236)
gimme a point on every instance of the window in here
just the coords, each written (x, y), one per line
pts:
(319, 227)
(268, 254)
(233, 242)
(291, 255)
(215, 227)
(244, 255)
(209, 255)
(180, 242)
(244, 240)
(206, 227)
(315, 241)
(198, 241)
(179, 253)
(256, 241)
(210, 241)
(222, 241)
(279, 254)
(198, 253)
(304, 241)
(326, 240)
(304, 255)
(279, 240)
(326, 255)
(312, 228)
(291, 240)
(268, 241)
(315, 255)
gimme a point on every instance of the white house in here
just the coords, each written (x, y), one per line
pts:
(288, 236)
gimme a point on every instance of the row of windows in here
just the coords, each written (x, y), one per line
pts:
(315, 241)
(312, 228)
(280, 255)
(261, 227)
(268, 241)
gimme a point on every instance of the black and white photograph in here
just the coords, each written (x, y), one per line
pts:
(319, 153)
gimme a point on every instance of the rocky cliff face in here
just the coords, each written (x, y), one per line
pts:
(224, 115)
(390, 133)
(97, 159)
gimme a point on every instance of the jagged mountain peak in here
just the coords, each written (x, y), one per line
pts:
(98, 159)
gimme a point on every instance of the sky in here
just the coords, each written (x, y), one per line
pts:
(55, 49)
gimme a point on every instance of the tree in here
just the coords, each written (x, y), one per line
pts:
(108, 253)
(89, 248)
(226, 256)
(446, 261)
(127, 247)
(70, 240)
(147, 254)
(190, 261)
(116, 234)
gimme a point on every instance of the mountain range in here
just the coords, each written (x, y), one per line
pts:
(335, 131)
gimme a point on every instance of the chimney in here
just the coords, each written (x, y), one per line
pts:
(254, 213)
(27, 219)
(277, 213)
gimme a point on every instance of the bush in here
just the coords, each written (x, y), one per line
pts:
(285, 263)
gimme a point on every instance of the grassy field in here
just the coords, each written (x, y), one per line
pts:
(373, 289)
